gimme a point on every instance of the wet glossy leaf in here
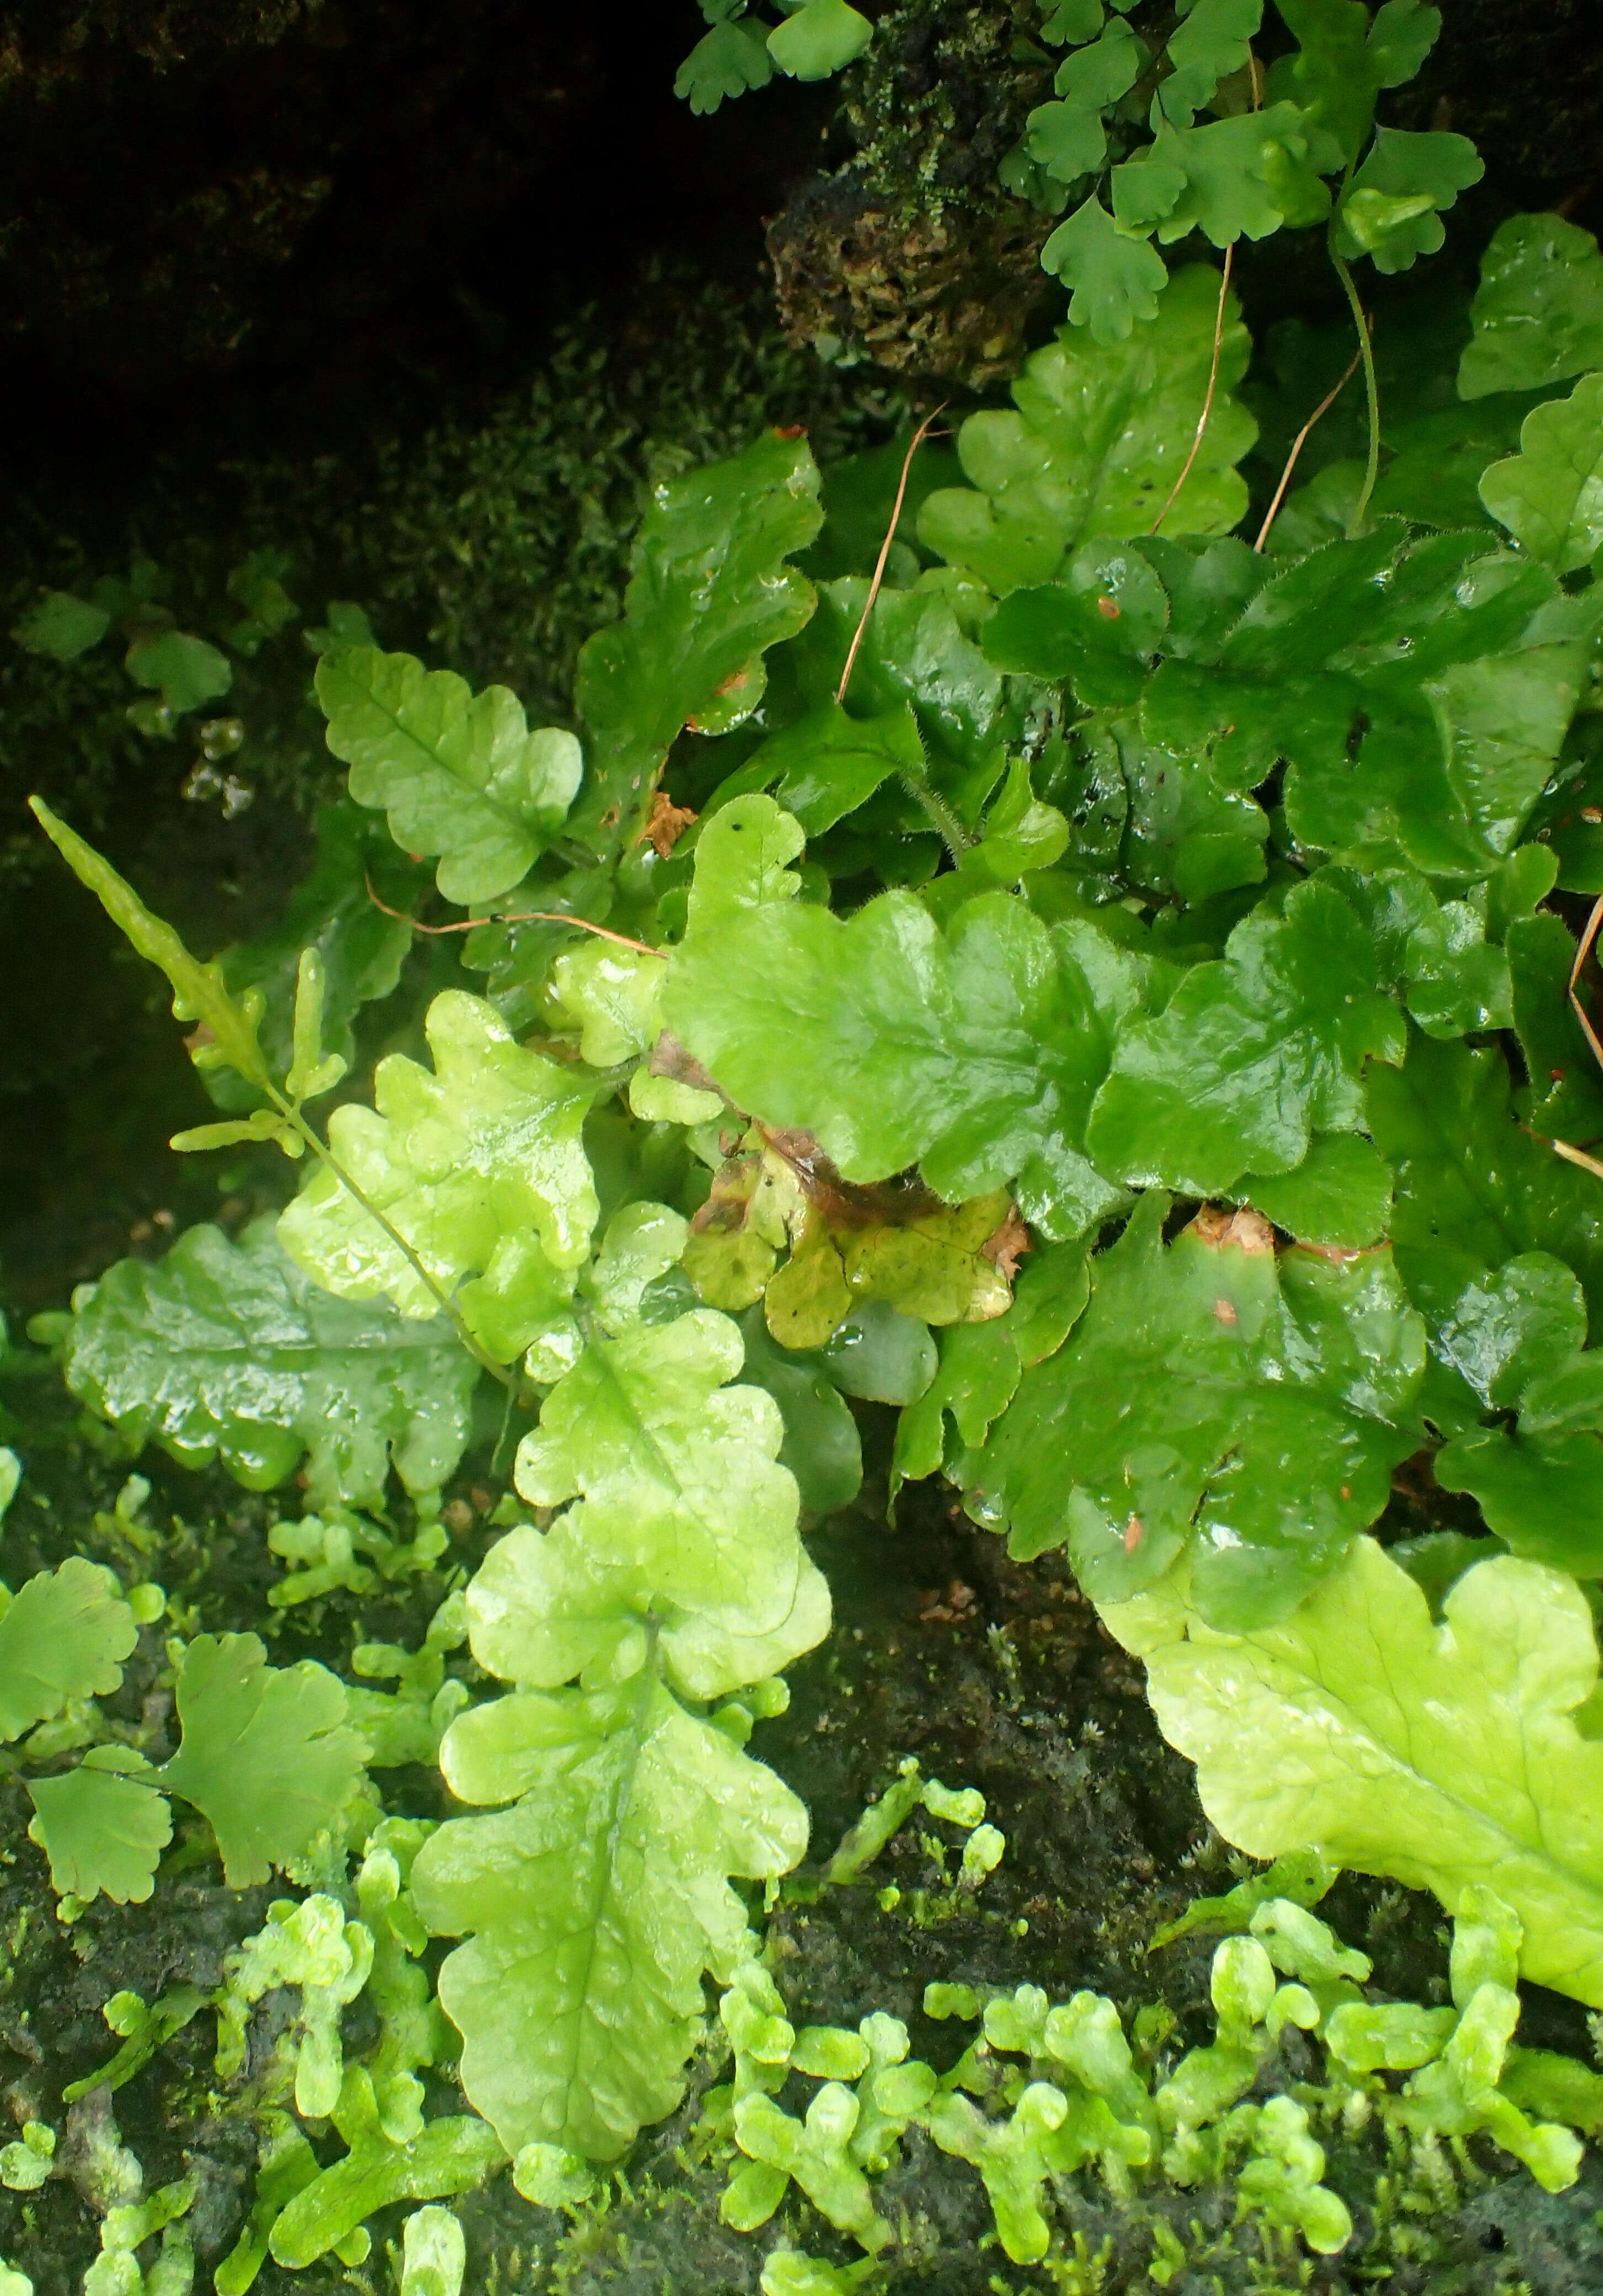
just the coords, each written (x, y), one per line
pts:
(457, 773)
(1048, 1299)
(1217, 1397)
(710, 592)
(478, 1163)
(596, 1901)
(1398, 684)
(1250, 1055)
(975, 1051)
(741, 860)
(63, 1637)
(1098, 627)
(103, 1833)
(1473, 1189)
(225, 1350)
(978, 1376)
(1097, 435)
(1550, 496)
(1340, 1193)
(917, 651)
(1565, 1099)
(266, 1756)
(1538, 314)
(1209, 584)
(1438, 1756)
(1517, 1338)
(674, 1462)
(1183, 833)
(879, 1355)
(828, 763)
(1458, 982)
(821, 1446)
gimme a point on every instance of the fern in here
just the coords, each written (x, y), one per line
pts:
(1113, 997)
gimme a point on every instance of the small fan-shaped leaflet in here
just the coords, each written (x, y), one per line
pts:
(600, 1893)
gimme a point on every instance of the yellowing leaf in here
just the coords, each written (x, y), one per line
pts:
(478, 1164)
(1440, 1757)
(674, 1465)
(596, 1901)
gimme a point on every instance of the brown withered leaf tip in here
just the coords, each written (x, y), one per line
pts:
(1008, 1246)
(1248, 1230)
(850, 1203)
(665, 824)
(668, 1058)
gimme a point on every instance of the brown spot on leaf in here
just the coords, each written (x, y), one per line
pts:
(665, 824)
(1246, 1230)
(668, 1058)
(1108, 608)
(1133, 1531)
(1008, 1246)
(846, 1203)
(1592, 813)
(1225, 1310)
(789, 431)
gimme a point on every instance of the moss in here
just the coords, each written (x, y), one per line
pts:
(494, 541)
(912, 253)
(995, 1677)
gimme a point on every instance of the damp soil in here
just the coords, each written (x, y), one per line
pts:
(987, 1675)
